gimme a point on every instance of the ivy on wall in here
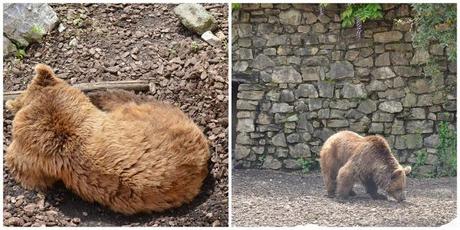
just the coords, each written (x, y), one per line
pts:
(436, 22)
(236, 6)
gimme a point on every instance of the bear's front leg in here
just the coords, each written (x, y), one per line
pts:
(26, 171)
(13, 106)
(345, 181)
(372, 188)
(330, 184)
(32, 182)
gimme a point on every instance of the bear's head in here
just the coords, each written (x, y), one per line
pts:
(44, 77)
(397, 188)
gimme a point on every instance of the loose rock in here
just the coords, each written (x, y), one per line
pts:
(195, 17)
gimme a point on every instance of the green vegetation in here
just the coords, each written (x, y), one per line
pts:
(446, 155)
(330, 81)
(236, 6)
(20, 53)
(307, 164)
(420, 159)
(363, 12)
(262, 159)
(194, 47)
(172, 52)
(35, 33)
(37, 29)
(78, 22)
(435, 23)
(446, 151)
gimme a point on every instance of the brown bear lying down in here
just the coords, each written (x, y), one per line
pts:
(131, 156)
(347, 158)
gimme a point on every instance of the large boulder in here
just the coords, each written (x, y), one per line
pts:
(26, 23)
(8, 47)
(195, 17)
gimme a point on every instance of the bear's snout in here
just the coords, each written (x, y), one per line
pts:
(400, 196)
(403, 197)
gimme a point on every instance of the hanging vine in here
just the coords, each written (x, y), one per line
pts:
(357, 14)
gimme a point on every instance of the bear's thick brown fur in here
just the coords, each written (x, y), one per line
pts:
(347, 158)
(129, 155)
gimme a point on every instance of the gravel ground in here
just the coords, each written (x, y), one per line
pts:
(269, 198)
(125, 42)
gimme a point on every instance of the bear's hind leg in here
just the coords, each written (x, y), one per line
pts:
(371, 189)
(345, 181)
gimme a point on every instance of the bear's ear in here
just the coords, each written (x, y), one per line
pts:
(45, 76)
(396, 173)
(407, 170)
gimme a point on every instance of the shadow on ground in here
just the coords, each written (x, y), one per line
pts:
(94, 214)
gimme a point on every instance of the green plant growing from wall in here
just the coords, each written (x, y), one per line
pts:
(307, 165)
(262, 159)
(357, 14)
(446, 164)
(236, 6)
(420, 159)
(435, 22)
(322, 6)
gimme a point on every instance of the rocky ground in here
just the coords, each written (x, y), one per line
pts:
(269, 198)
(124, 42)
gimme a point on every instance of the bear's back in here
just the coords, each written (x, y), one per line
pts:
(341, 144)
(148, 141)
(344, 145)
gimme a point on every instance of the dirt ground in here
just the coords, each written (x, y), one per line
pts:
(269, 198)
(125, 42)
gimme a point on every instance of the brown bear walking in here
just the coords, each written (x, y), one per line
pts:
(129, 155)
(347, 158)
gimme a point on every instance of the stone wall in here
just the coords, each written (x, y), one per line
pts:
(303, 77)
